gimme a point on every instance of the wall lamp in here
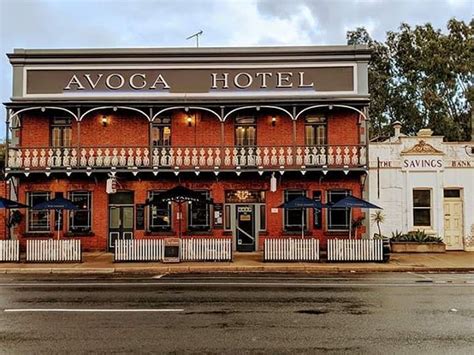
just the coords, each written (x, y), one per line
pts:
(189, 120)
(274, 120)
(104, 121)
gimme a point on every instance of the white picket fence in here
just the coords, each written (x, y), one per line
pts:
(50, 250)
(288, 249)
(9, 250)
(139, 250)
(206, 249)
(355, 250)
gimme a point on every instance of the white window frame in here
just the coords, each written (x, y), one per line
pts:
(29, 195)
(89, 209)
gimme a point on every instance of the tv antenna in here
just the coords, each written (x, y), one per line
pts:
(197, 34)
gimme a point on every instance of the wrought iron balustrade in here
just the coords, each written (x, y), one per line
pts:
(188, 158)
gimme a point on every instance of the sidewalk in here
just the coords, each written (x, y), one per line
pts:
(102, 263)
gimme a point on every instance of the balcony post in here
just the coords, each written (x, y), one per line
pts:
(7, 136)
(150, 137)
(294, 134)
(222, 130)
(78, 130)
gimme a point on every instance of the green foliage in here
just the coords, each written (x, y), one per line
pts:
(421, 77)
(418, 236)
(378, 217)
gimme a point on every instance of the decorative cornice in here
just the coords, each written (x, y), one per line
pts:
(422, 148)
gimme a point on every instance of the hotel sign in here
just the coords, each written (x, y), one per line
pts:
(107, 81)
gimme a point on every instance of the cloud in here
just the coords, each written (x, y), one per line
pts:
(162, 23)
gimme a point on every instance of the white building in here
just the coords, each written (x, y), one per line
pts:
(423, 183)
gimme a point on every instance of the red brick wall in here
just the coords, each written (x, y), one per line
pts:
(126, 128)
(217, 186)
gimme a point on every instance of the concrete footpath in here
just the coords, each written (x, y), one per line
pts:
(102, 263)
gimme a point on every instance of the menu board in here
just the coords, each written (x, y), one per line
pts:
(218, 215)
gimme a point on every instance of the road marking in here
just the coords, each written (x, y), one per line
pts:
(252, 284)
(91, 310)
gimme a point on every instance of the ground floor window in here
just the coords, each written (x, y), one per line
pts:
(199, 214)
(159, 215)
(338, 218)
(80, 219)
(38, 220)
(294, 217)
(421, 208)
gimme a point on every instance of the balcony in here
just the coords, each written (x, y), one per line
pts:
(224, 158)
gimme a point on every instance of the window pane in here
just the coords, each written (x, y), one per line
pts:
(452, 193)
(159, 215)
(38, 220)
(338, 218)
(80, 220)
(199, 214)
(227, 217)
(263, 219)
(321, 135)
(421, 198)
(422, 217)
(294, 217)
(309, 135)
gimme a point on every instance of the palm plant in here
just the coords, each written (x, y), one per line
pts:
(378, 217)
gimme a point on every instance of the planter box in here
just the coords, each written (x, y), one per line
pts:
(413, 247)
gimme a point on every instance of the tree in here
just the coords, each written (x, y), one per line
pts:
(421, 77)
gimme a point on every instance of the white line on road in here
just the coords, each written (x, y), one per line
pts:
(92, 310)
(250, 284)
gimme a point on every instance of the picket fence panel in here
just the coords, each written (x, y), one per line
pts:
(53, 250)
(355, 250)
(9, 250)
(288, 249)
(206, 249)
(139, 250)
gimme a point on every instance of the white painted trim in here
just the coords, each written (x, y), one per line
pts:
(112, 107)
(184, 108)
(40, 108)
(333, 105)
(255, 106)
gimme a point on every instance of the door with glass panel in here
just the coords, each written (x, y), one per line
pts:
(245, 140)
(121, 217)
(245, 228)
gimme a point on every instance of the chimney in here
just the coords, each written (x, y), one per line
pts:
(397, 126)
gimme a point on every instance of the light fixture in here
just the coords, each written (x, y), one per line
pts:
(189, 120)
(104, 121)
(274, 120)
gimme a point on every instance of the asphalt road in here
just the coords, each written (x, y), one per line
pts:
(367, 314)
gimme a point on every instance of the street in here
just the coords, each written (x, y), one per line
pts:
(238, 313)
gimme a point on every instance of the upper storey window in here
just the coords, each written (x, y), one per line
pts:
(161, 132)
(61, 132)
(315, 130)
(245, 131)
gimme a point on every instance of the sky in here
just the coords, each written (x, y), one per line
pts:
(167, 23)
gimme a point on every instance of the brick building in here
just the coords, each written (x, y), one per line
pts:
(248, 127)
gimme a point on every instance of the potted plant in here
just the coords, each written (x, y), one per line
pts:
(416, 242)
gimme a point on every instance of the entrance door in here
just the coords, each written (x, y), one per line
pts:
(120, 224)
(121, 217)
(453, 222)
(245, 228)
